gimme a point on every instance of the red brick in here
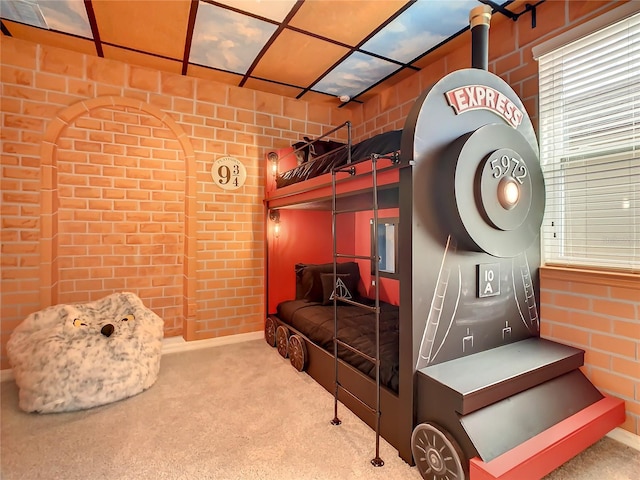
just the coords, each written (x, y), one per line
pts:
(619, 346)
(628, 329)
(590, 322)
(16, 76)
(144, 79)
(616, 309)
(177, 85)
(626, 367)
(612, 382)
(630, 294)
(105, 71)
(57, 60)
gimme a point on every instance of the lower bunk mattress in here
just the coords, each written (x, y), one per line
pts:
(356, 327)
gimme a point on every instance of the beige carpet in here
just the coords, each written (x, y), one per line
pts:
(236, 412)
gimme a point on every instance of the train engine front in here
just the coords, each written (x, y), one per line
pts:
(471, 208)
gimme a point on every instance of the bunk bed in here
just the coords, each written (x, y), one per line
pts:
(334, 155)
(466, 185)
(314, 319)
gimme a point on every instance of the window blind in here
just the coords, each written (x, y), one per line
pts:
(589, 97)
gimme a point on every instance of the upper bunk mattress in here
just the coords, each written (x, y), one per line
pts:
(356, 327)
(381, 144)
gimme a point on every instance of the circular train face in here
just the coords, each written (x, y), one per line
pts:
(498, 189)
(504, 186)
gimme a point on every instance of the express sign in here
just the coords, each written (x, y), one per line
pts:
(474, 97)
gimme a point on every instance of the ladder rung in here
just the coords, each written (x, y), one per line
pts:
(350, 255)
(358, 399)
(371, 308)
(355, 350)
(347, 210)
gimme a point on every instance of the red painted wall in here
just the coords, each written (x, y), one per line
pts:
(305, 237)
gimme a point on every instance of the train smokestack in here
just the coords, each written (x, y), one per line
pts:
(479, 19)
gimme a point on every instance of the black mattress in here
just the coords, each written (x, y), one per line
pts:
(381, 144)
(356, 327)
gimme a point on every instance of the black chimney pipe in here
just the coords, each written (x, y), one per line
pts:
(479, 19)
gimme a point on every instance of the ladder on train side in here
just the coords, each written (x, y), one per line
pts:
(527, 282)
(349, 168)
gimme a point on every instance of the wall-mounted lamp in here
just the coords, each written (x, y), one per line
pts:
(274, 216)
(273, 158)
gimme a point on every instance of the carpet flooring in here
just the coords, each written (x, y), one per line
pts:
(232, 412)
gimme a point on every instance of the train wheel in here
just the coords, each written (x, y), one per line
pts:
(282, 340)
(297, 352)
(270, 331)
(437, 455)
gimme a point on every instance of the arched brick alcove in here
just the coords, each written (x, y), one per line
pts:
(58, 132)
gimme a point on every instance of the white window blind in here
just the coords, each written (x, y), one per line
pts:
(590, 149)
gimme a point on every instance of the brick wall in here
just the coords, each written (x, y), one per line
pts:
(106, 186)
(121, 196)
(598, 312)
(595, 312)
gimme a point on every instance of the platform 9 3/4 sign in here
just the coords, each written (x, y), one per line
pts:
(228, 173)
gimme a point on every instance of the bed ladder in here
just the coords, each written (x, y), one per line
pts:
(350, 169)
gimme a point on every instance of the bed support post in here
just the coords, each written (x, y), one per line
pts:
(336, 421)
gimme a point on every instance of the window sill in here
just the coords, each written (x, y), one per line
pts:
(594, 277)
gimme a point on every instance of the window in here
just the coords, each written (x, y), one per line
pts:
(590, 149)
(387, 246)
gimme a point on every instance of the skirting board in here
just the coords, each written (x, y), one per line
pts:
(178, 344)
(626, 437)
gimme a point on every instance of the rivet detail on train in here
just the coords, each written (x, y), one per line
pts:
(474, 97)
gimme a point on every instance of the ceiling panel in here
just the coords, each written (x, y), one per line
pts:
(142, 59)
(286, 47)
(215, 75)
(355, 74)
(275, 10)
(226, 39)
(157, 27)
(397, 78)
(67, 16)
(361, 16)
(272, 87)
(297, 59)
(48, 37)
(420, 28)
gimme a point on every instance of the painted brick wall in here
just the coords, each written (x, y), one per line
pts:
(599, 313)
(601, 316)
(124, 189)
(121, 211)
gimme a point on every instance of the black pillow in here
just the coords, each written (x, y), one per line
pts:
(344, 285)
(309, 282)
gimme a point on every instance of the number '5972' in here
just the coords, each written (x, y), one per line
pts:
(505, 164)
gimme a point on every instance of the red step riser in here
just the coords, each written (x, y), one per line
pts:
(548, 450)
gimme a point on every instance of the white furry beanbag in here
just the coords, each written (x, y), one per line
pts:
(71, 357)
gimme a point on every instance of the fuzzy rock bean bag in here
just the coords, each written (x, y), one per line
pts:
(72, 357)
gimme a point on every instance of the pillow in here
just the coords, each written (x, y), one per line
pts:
(309, 281)
(299, 269)
(311, 149)
(344, 286)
